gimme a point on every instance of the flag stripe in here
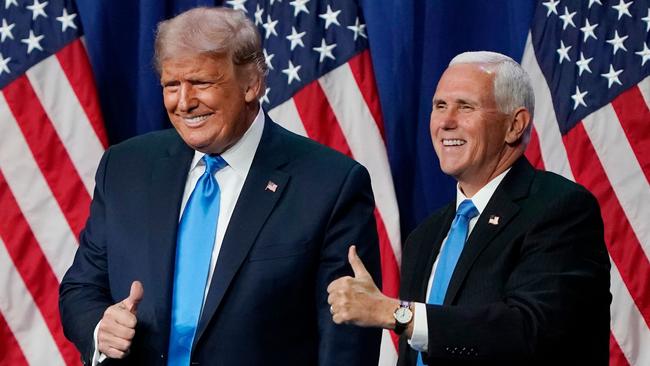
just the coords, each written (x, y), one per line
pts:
(365, 141)
(318, 118)
(68, 118)
(286, 114)
(25, 253)
(49, 153)
(361, 66)
(616, 356)
(10, 353)
(633, 113)
(545, 123)
(533, 152)
(77, 69)
(33, 195)
(623, 245)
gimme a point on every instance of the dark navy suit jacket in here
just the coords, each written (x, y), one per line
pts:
(531, 286)
(267, 302)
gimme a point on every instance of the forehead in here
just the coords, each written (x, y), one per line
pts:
(474, 81)
(199, 64)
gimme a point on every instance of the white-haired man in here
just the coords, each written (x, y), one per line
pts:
(515, 271)
(213, 243)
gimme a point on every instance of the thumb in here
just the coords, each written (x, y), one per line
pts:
(135, 296)
(357, 265)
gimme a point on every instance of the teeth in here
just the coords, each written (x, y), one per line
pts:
(196, 119)
(454, 142)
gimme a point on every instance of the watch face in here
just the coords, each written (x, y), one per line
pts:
(403, 315)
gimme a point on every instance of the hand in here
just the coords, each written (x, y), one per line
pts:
(117, 327)
(357, 300)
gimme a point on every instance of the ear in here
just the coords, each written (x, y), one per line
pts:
(518, 124)
(253, 87)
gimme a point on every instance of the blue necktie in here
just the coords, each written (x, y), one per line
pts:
(450, 254)
(196, 234)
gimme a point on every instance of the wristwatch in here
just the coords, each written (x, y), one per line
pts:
(403, 316)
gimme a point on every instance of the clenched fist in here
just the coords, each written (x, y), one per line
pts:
(117, 327)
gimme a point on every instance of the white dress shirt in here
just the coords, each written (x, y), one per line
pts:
(231, 180)
(420, 337)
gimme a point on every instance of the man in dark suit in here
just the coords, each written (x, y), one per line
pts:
(515, 272)
(275, 211)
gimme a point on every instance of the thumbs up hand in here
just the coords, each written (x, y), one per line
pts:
(357, 300)
(117, 327)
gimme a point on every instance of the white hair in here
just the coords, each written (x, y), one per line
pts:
(512, 87)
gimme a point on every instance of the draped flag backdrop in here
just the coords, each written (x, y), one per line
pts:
(332, 61)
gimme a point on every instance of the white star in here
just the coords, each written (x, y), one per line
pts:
(583, 64)
(563, 52)
(5, 30)
(622, 9)
(578, 98)
(298, 6)
(567, 18)
(325, 50)
(647, 21)
(258, 15)
(592, 2)
(237, 5)
(265, 98)
(330, 17)
(296, 38)
(292, 72)
(268, 59)
(37, 9)
(8, 3)
(3, 64)
(612, 76)
(66, 20)
(552, 7)
(33, 42)
(358, 29)
(269, 27)
(617, 42)
(644, 53)
(588, 30)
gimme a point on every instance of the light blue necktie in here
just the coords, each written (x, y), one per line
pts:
(196, 233)
(450, 254)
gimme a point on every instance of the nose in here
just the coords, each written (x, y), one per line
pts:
(186, 98)
(445, 119)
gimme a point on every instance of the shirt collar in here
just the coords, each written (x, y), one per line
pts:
(482, 197)
(240, 155)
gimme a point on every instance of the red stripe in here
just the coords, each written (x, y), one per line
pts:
(10, 352)
(33, 267)
(75, 65)
(634, 116)
(363, 73)
(318, 118)
(622, 243)
(533, 151)
(616, 356)
(49, 152)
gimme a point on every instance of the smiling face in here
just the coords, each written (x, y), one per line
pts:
(207, 100)
(470, 135)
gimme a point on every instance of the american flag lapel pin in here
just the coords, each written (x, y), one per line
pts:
(493, 220)
(271, 186)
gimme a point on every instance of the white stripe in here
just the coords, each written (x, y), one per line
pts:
(34, 197)
(622, 169)
(366, 144)
(550, 139)
(387, 351)
(628, 325)
(286, 115)
(23, 316)
(68, 118)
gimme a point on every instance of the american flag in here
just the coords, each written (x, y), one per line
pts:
(321, 85)
(51, 139)
(588, 61)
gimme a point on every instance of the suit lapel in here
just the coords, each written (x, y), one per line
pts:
(253, 206)
(503, 206)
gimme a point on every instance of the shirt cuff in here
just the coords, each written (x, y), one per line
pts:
(420, 337)
(98, 357)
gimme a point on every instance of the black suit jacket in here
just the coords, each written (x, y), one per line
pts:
(530, 289)
(267, 302)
